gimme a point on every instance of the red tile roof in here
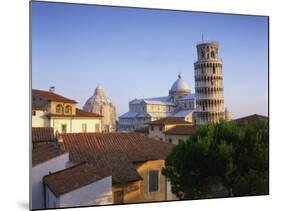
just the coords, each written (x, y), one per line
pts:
(42, 134)
(44, 153)
(38, 107)
(182, 130)
(72, 178)
(250, 119)
(142, 130)
(169, 120)
(79, 113)
(51, 96)
(114, 153)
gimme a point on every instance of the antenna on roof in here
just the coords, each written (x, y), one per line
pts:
(52, 89)
(202, 37)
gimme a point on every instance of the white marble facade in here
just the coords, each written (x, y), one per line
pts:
(179, 103)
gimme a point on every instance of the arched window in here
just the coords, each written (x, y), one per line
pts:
(202, 54)
(68, 109)
(59, 109)
(212, 54)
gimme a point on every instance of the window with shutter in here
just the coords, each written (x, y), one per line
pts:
(153, 181)
(118, 197)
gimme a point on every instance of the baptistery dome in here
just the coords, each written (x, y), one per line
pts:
(101, 104)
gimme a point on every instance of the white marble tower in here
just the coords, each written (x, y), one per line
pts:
(208, 84)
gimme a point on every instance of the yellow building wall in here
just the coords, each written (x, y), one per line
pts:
(143, 169)
(138, 191)
(54, 104)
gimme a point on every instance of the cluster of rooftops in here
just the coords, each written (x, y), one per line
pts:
(94, 156)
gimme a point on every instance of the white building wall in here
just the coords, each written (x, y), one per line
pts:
(156, 133)
(51, 200)
(97, 193)
(37, 174)
(40, 119)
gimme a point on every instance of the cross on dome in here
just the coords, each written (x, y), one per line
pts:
(179, 75)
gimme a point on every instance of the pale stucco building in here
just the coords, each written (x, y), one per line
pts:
(99, 103)
(76, 186)
(50, 109)
(179, 103)
(45, 159)
(57, 182)
(171, 130)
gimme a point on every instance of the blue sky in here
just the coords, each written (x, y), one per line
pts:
(135, 53)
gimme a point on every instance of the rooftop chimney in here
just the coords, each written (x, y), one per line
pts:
(52, 89)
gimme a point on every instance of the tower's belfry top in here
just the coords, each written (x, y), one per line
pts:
(207, 51)
(208, 83)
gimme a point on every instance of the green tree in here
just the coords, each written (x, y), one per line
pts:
(220, 160)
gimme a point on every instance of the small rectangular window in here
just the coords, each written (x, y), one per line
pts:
(118, 197)
(63, 128)
(97, 128)
(84, 128)
(153, 178)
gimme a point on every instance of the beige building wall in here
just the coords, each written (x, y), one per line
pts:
(39, 119)
(157, 131)
(75, 125)
(175, 139)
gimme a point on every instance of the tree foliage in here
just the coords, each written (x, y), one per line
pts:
(220, 160)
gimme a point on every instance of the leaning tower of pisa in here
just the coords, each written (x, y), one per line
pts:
(208, 84)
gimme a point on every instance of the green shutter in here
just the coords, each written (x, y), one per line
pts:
(153, 180)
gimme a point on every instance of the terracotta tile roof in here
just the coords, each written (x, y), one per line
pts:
(142, 130)
(182, 130)
(114, 153)
(79, 113)
(72, 178)
(44, 153)
(250, 119)
(38, 107)
(169, 120)
(51, 96)
(42, 134)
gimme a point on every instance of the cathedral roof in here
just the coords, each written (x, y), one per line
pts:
(155, 101)
(179, 86)
(184, 113)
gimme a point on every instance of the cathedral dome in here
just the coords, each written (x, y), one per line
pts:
(179, 87)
